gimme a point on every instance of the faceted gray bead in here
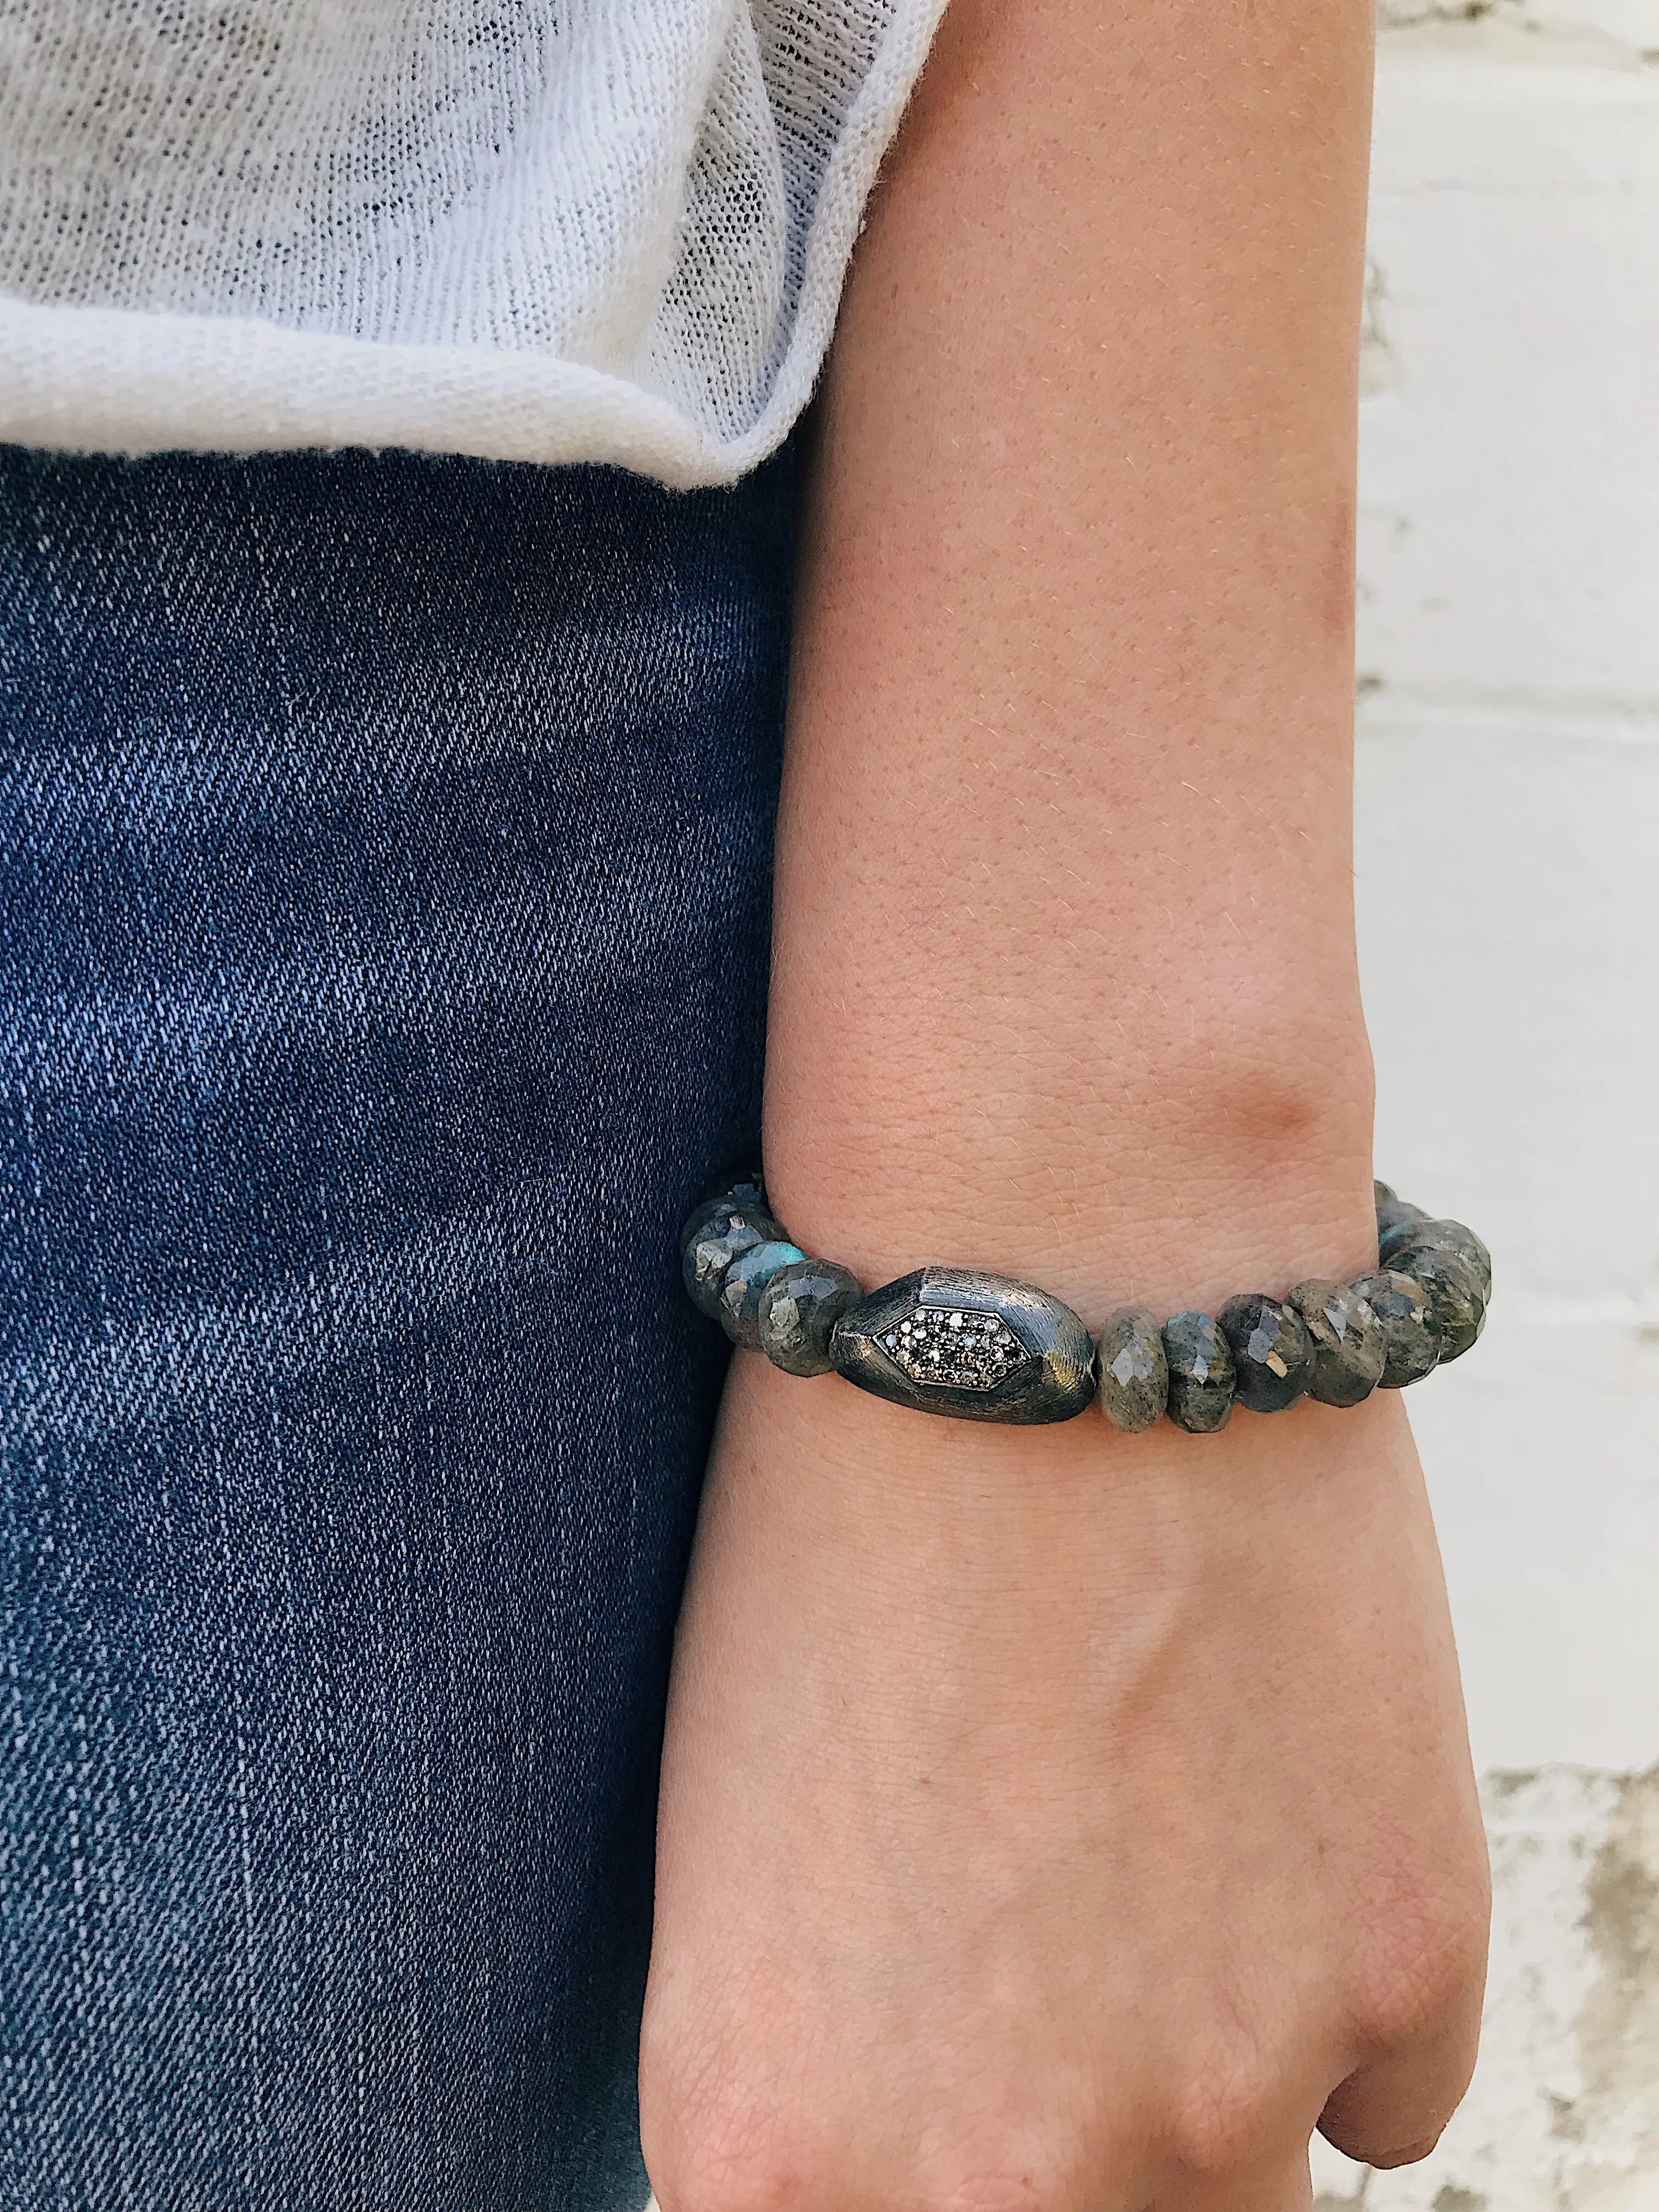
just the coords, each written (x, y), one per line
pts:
(1392, 1209)
(1399, 1247)
(958, 1341)
(742, 1184)
(1348, 1349)
(1411, 1329)
(1200, 1364)
(745, 1279)
(799, 1310)
(1272, 1359)
(1134, 1375)
(711, 1240)
(743, 1189)
(1454, 1289)
(1392, 1212)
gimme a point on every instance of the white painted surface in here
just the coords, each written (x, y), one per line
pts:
(1508, 894)
(1509, 823)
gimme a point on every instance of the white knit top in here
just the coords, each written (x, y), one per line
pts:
(549, 230)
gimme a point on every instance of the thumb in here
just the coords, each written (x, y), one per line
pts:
(1393, 2110)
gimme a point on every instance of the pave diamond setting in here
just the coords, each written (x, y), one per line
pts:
(962, 1340)
(965, 1348)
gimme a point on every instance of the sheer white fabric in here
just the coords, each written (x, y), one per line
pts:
(549, 230)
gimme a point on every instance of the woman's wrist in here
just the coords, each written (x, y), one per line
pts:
(1236, 1168)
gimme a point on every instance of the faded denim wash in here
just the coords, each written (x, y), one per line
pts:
(385, 852)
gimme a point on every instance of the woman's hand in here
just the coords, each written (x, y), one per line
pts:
(1057, 1820)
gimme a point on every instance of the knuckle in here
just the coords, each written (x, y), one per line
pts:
(1426, 1972)
(705, 2169)
(709, 2148)
(997, 2166)
(720, 2161)
(1224, 2108)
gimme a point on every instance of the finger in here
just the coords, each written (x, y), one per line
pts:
(1393, 2110)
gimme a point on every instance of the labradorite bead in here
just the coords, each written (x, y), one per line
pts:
(1411, 1331)
(1272, 1359)
(1348, 1350)
(743, 1189)
(745, 1279)
(959, 1341)
(1200, 1364)
(1394, 1213)
(715, 1235)
(799, 1310)
(1454, 1289)
(1134, 1375)
(1400, 1246)
(1392, 1209)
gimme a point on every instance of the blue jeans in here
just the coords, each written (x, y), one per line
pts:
(386, 872)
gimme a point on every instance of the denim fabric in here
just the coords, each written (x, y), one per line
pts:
(385, 853)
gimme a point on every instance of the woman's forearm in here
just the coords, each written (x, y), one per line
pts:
(1065, 976)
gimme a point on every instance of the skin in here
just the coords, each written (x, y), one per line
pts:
(1053, 1818)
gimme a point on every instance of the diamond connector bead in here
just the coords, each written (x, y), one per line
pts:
(964, 1345)
(960, 1340)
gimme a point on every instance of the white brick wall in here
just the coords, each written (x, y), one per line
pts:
(1508, 894)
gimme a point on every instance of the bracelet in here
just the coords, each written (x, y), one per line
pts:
(982, 1347)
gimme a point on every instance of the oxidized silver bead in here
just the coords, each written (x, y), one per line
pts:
(1272, 1359)
(1411, 1328)
(958, 1341)
(1200, 1373)
(799, 1310)
(715, 1235)
(1348, 1349)
(1134, 1375)
(745, 1281)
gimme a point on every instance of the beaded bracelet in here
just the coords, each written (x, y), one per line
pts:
(981, 1347)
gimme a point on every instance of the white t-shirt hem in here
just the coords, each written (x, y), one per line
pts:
(116, 380)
